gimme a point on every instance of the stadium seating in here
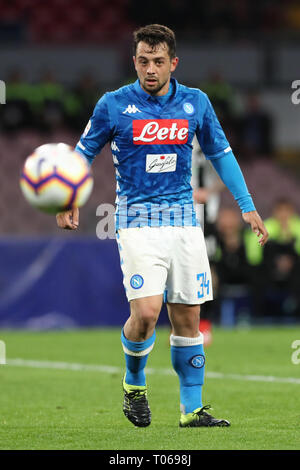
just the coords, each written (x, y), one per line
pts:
(65, 21)
(96, 20)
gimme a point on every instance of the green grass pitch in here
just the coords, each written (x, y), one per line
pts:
(49, 405)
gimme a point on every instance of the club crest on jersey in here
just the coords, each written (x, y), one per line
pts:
(188, 108)
(160, 131)
(136, 281)
(131, 109)
(197, 361)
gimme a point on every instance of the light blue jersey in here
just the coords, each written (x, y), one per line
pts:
(151, 142)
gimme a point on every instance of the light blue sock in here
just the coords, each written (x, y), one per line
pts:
(188, 360)
(136, 355)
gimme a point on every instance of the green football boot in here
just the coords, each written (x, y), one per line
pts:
(135, 405)
(200, 418)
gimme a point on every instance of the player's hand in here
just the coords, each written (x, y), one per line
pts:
(68, 220)
(257, 226)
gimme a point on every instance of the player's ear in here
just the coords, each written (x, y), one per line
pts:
(174, 63)
(134, 61)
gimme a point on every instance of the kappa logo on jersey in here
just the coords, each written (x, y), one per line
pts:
(160, 131)
(115, 160)
(114, 146)
(87, 128)
(131, 109)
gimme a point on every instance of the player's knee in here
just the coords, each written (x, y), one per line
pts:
(147, 318)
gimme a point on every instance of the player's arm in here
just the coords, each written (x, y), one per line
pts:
(216, 148)
(230, 173)
(96, 134)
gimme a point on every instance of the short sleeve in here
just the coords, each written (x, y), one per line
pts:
(98, 131)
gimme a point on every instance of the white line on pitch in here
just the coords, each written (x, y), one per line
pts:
(119, 370)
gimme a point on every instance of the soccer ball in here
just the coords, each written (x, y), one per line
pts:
(55, 178)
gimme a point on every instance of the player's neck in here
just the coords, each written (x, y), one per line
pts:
(164, 90)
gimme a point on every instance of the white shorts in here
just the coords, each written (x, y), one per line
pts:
(165, 260)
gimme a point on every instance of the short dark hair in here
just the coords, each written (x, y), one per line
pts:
(154, 34)
(283, 201)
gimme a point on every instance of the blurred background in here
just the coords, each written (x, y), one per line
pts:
(57, 59)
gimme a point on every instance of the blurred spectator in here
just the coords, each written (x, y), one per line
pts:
(86, 92)
(46, 105)
(50, 106)
(277, 287)
(256, 129)
(224, 101)
(230, 259)
(283, 227)
(17, 113)
(232, 269)
(220, 94)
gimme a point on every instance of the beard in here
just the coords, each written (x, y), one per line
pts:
(154, 89)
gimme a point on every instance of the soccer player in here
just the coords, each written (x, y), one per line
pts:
(150, 125)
